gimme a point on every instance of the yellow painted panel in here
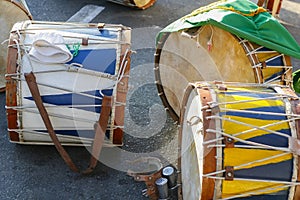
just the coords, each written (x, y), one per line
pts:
(234, 128)
(230, 188)
(254, 103)
(232, 157)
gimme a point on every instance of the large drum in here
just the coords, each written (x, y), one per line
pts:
(139, 4)
(239, 141)
(11, 12)
(209, 53)
(71, 91)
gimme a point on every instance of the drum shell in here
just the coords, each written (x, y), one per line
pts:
(270, 5)
(139, 4)
(71, 94)
(11, 12)
(237, 155)
(184, 57)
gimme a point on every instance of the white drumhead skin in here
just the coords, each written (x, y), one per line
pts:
(186, 60)
(9, 15)
(192, 149)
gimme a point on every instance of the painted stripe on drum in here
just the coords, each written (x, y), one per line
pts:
(86, 14)
(275, 75)
(240, 156)
(77, 133)
(252, 102)
(237, 187)
(281, 171)
(261, 136)
(270, 139)
(100, 60)
(265, 56)
(69, 99)
(276, 62)
(248, 94)
(84, 32)
(274, 196)
(262, 116)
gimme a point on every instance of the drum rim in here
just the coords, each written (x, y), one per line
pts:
(27, 13)
(208, 183)
(159, 86)
(19, 5)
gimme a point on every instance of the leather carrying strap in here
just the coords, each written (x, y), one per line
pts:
(149, 178)
(101, 126)
(151, 191)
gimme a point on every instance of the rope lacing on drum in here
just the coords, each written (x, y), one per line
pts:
(252, 55)
(193, 123)
(197, 36)
(218, 175)
(71, 68)
(195, 120)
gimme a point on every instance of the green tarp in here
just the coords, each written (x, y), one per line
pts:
(244, 19)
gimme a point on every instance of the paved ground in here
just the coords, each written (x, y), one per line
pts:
(38, 172)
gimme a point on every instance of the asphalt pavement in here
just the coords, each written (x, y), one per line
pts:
(38, 172)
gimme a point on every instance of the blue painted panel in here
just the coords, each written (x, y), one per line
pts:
(283, 195)
(69, 99)
(275, 109)
(100, 60)
(275, 75)
(252, 93)
(281, 171)
(271, 139)
(77, 133)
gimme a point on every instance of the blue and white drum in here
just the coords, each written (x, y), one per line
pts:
(75, 66)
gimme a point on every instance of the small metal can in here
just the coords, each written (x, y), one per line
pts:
(162, 187)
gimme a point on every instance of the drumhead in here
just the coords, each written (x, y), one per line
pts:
(11, 12)
(191, 155)
(181, 60)
(209, 53)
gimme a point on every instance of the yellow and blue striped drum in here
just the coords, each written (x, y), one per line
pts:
(239, 141)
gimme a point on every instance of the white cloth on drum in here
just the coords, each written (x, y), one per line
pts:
(49, 47)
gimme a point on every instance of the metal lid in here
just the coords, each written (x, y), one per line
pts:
(161, 181)
(168, 171)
